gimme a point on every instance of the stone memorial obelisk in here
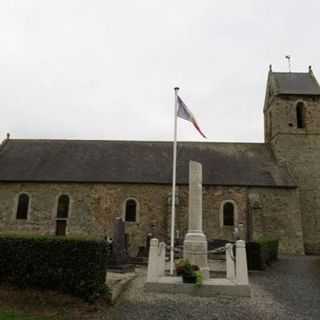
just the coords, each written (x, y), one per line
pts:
(195, 246)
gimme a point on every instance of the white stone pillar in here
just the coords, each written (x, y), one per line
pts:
(230, 265)
(153, 261)
(195, 246)
(162, 259)
(241, 263)
(195, 197)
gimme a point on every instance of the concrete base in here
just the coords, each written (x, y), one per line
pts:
(209, 288)
(195, 249)
(118, 282)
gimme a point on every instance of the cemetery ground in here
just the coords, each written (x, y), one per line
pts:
(289, 289)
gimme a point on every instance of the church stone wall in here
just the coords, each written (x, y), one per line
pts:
(275, 214)
(93, 209)
(213, 197)
(95, 206)
(299, 150)
(42, 208)
(301, 154)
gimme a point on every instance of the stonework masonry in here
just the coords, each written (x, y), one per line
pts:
(213, 197)
(281, 116)
(264, 212)
(302, 154)
(299, 150)
(92, 212)
(275, 214)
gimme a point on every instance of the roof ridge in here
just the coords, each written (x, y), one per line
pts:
(286, 72)
(135, 141)
(294, 83)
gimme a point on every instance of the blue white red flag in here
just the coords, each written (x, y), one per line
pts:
(186, 114)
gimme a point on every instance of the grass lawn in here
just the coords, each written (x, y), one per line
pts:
(15, 316)
(32, 304)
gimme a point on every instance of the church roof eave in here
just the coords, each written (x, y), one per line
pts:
(85, 161)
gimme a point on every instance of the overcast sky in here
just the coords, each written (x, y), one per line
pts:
(103, 69)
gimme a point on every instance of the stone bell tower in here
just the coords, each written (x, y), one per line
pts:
(292, 128)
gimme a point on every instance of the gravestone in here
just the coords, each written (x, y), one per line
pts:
(119, 256)
(143, 251)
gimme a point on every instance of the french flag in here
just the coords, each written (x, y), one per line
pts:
(186, 114)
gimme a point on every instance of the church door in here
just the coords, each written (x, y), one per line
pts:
(61, 226)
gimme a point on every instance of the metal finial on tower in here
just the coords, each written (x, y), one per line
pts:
(288, 57)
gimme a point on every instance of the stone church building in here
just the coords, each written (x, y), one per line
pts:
(270, 189)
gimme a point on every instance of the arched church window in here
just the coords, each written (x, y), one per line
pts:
(23, 206)
(228, 214)
(131, 210)
(300, 115)
(62, 215)
(63, 207)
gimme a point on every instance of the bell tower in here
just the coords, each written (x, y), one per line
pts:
(292, 129)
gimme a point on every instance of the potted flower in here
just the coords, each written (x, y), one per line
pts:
(188, 271)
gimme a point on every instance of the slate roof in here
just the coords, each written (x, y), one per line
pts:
(296, 83)
(242, 164)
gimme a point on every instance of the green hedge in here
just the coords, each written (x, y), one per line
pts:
(261, 253)
(270, 249)
(75, 266)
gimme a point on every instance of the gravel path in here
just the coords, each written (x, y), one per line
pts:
(290, 289)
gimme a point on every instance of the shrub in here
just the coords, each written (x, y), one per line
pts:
(74, 266)
(261, 253)
(199, 280)
(270, 248)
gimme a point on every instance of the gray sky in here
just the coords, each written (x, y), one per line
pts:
(97, 69)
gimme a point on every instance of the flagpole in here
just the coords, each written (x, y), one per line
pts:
(173, 196)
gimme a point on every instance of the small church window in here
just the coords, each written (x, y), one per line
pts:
(63, 207)
(23, 206)
(131, 210)
(300, 115)
(228, 214)
(62, 215)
